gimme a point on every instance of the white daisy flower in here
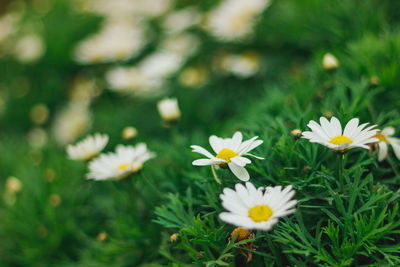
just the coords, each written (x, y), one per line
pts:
(230, 152)
(125, 161)
(330, 134)
(253, 208)
(385, 138)
(87, 148)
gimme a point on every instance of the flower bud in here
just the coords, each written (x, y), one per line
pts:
(173, 238)
(169, 110)
(330, 62)
(129, 133)
(296, 133)
(13, 185)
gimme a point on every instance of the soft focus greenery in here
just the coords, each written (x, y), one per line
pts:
(58, 215)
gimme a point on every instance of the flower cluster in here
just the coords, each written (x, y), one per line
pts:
(248, 207)
(118, 165)
(260, 208)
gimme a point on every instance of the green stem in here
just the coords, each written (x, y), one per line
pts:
(340, 171)
(215, 174)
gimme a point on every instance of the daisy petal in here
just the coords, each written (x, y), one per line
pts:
(383, 150)
(199, 149)
(216, 143)
(396, 149)
(202, 162)
(239, 172)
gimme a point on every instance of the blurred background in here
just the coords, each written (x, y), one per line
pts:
(72, 68)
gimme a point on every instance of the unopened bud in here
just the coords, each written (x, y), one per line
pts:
(374, 80)
(169, 110)
(330, 62)
(129, 133)
(328, 114)
(55, 200)
(102, 236)
(13, 185)
(296, 133)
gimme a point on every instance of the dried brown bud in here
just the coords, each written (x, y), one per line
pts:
(200, 254)
(173, 238)
(102, 236)
(241, 232)
(55, 200)
(328, 114)
(42, 231)
(306, 169)
(374, 80)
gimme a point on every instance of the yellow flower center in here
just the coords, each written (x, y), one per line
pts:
(260, 213)
(123, 166)
(381, 137)
(226, 154)
(340, 139)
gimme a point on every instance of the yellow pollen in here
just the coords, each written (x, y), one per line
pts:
(340, 139)
(260, 213)
(381, 137)
(226, 154)
(123, 166)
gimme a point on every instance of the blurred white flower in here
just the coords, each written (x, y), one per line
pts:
(258, 209)
(83, 89)
(161, 64)
(131, 80)
(8, 25)
(13, 185)
(118, 40)
(184, 44)
(230, 153)
(181, 20)
(70, 123)
(330, 134)
(88, 148)
(193, 76)
(39, 113)
(152, 8)
(235, 19)
(37, 137)
(243, 65)
(125, 161)
(125, 8)
(385, 139)
(169, 109)
(29, 48)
